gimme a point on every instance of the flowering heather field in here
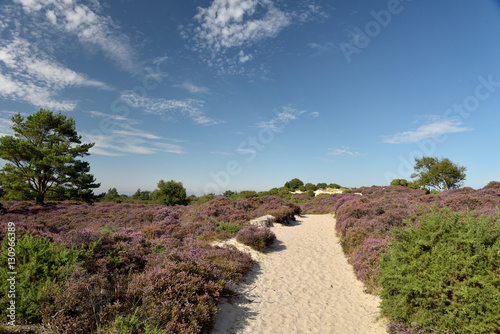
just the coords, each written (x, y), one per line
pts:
(127, 268)
(364, 222)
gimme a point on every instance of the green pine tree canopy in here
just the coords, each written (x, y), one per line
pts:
(42, 157)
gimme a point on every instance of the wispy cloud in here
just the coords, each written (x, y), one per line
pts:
(87, 24)
(344, 151)
(246, 150)
(436, 128)
(282, 117)
(122, 138)
(119, 118)
(220, 153)
(192, 88)
(323, 49)
(191, 108)
(33, 76)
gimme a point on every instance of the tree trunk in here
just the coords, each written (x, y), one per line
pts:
(39, 199)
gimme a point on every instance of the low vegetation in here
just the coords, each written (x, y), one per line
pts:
(129, 268)
(434, 259)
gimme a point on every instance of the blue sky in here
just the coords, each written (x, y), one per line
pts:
(248, 94)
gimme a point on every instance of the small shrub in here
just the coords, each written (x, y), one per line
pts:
(443, 274)
(39, 263)
(77, 305)
(365, 262)
(341, 201)
(256, 237)
(131, 324)
(493, 185)
(107, 231)
(228, 227)
(175, 297)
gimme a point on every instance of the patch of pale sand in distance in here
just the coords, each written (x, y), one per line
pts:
(303, 284)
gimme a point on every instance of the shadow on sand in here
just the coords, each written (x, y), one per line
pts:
(234, 312)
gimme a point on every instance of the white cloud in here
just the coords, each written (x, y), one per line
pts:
(323, 49)
(230, 23)
(71, 17)
(114, 117)
(436, 128)
(226, 28)
(243, 57)
(220, 153)
(191, 108)
(136, 133)
(19, 55)
(192, 88)
(33, 76)
(283, 116)
(31, 93)
(246, 150)
(122, 138)
(344, 151)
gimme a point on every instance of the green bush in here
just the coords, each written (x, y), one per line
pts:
(228, 227)
(132, 325)
(169, 193)
(444, 274)
(247, 194)
(399, 182)
(39, 262)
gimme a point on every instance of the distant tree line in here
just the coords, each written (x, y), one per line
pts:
(173, 193)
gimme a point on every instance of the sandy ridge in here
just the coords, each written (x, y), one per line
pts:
(303, 284)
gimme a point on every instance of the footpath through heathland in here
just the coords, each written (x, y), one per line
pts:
(302, 284)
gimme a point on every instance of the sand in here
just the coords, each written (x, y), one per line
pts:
(302, 284)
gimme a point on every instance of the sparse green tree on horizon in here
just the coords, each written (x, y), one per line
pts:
(142, 195)
(42, 157)
(294, 184)
(169, 193)
(440, 174)
(399, 182)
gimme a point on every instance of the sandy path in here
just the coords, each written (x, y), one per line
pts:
(302, 285)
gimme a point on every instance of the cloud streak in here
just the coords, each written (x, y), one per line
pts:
(283, 116)
(191, 108)
(122, 138)
(346, 151)
(192, 88)
(436, 128)
(33, 76)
